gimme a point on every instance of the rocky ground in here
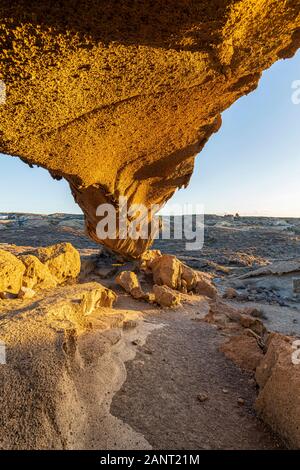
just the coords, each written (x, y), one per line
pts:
(234, 248)
(151, 354)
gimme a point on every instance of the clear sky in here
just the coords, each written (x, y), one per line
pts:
(251, 166)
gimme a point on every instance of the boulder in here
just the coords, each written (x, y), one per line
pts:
(204, 286)
(97, 297)
(11, 272)
(147, 258)
(190, 277)
(169, 271)
(130, 283)
(62, 260)
(166, 271)
(165, 296)
(36, 274)
(278, 377)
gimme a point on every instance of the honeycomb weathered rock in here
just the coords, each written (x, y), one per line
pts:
(118, 97)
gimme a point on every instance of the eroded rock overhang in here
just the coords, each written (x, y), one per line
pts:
(118, 97)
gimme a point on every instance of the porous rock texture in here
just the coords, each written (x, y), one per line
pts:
(165, 296)
(167, 270)
(118, 97)
(11, 272)
(170, 278)
(62, 260)
(44, 268)
(130, 283)
(36, 274)
(52, 386)
(278, 377)
(244, 351)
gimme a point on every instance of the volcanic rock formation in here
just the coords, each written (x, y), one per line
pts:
(118, 97)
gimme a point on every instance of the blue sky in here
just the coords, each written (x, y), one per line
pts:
(251, 166)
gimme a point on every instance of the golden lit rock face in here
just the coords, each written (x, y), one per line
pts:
(118, 97)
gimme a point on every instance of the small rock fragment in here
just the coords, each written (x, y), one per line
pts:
(254, 312)
(230, 293)
(147, 351)
(184, 288)
(205, 287)
(7, 296)
(165, 296)
(130, 283)
(202, 397)
(189, 277)
(149, 297)
(166, 271)
(26, 293)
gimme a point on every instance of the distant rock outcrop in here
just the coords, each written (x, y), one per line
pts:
(119, 97)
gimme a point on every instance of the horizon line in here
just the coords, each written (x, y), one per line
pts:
(225, 214)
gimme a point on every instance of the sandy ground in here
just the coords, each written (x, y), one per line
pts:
(176, 364)
(124, 388)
